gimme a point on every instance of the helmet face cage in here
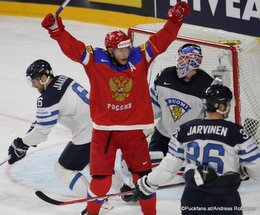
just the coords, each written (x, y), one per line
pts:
(117, 39)
(37, 69)
(216, 94)
(190, 58)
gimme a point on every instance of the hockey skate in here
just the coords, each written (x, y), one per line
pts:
(103, 210)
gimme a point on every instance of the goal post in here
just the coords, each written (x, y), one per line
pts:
(232, 57)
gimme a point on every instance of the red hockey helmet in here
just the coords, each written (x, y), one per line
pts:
(117, 39)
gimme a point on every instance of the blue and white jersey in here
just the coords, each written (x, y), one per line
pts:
(66, 102)
(175, 101)
(219, 144)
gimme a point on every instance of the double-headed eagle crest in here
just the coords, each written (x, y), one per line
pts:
(120, 87)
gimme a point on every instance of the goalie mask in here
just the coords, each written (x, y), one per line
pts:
(117, 39)
(190, 57)
(217, 94)
(39, 68)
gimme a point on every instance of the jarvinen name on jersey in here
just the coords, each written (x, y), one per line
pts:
(208, 129)
(60, 81)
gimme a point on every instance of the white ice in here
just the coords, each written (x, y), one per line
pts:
(23, 40)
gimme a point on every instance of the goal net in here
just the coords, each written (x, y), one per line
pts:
(235, 58)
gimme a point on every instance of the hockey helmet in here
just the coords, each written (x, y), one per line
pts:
(39, 68)
(190, 57)
(117, 39)
(214, 95)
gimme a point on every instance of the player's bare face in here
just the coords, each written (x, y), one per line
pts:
(36, 84)
(121, 55)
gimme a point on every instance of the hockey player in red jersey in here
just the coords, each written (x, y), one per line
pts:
(120, 103)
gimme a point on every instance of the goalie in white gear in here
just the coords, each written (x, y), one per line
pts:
(63, 101)
(213, 151)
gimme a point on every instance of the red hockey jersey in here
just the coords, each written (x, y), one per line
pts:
(119, 95)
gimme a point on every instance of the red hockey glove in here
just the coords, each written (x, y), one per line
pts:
(178, 11)
(53, 23)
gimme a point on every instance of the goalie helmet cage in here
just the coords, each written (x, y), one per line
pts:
(232, 57)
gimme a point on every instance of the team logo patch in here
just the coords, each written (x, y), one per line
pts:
(89, 49)
(177, 108)
(120, 87)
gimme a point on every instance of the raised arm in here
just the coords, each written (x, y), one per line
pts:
(71, 47)
(160, 41)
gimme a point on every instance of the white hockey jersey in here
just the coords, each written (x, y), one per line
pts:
(176, 102)
(220, 144)
(66, 102)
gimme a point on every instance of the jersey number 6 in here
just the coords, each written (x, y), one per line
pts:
(81, 92)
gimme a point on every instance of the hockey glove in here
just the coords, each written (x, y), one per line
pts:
(128, 198)
(177, 12)
(17, 150)
(53, 23)
(143, 189)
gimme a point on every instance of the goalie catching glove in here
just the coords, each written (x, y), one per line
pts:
(143, 189)
(17, 150)
(178, 11)
(53, 23)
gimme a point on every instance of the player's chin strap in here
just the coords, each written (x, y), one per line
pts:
(225, 113)
(45, 83)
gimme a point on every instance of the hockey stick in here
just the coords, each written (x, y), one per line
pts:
(62, 6)
(5, 160)
(50, 200)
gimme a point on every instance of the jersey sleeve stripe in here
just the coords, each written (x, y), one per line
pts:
(149, 50)
(173, 153)
(85, 58)
(53, 122)
(155, 102)
(53, 113)
(244, 152)
(178, 150)
(250, 159)
(152, 92)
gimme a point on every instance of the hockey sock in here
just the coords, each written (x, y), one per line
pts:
(148, 206)
(98, 187)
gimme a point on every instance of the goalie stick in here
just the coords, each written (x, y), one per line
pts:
(50, 200)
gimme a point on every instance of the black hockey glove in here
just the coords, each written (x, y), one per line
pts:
(17, 150)
(128, 198)
(143, 189)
